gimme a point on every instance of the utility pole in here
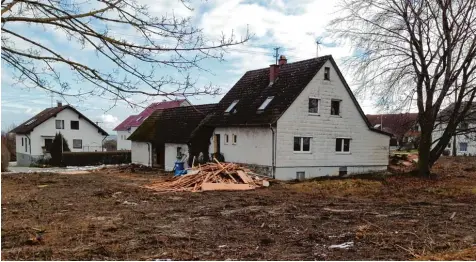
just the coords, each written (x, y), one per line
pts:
(276, 49)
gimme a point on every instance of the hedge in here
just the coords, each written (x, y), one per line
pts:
(96, 158)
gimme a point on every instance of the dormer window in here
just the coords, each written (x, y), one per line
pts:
(265, 103)
(232, 106)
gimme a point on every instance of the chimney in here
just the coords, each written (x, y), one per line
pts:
(273, 73)
(59, 104)
(282, 60)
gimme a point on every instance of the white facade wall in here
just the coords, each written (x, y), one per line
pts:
(141, 153)
(122, 142)
(253, 145)
(469, 139)
(171, 155)
(368, 149)
(88, 133)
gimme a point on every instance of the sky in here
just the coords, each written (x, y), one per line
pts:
(292, 25)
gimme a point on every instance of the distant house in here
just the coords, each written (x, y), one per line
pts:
(165, 135)
(130, 124)
(403, 127)
(34, 136)
(465, 140)
(294, 120)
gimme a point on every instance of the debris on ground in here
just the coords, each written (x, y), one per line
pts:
(345, 245)
(211, 177)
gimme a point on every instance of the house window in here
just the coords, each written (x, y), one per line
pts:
(314, 105)
(335, 107)
(26, 145)
(232, 106)
(302, 144)
(342, 171)
(343, 145)
(463, 146)
(22, 141)
(75, 125)
(226, 139)
(234, 137)
(463, 126)
(48, 143)
(179, 152)
(301, 175)
(59, 124)
(327, 71)
(77, 143)
(449, 145)
(265, 103)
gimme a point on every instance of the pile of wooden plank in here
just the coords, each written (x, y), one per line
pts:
(212, 176)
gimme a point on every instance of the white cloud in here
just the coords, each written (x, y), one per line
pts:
(109, 121)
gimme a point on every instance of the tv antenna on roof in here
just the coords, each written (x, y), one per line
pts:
(317, 47)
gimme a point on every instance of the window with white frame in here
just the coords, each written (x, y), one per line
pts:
(232, 106)
(77, 143)
(266, 103)
(463, 146)
(227, 139)
(314, 105)
(335, 107)
(234, 139)
(343, 145)
(302, 144)
(59, 124)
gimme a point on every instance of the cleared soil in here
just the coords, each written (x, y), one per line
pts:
(109, 216)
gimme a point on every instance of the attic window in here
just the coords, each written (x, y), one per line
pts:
(232, 106)
(266, 103)
(31, 121)
(327, 71)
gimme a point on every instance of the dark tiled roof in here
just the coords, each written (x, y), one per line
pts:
(470, 116)
(137, 120)
(253, 89)
(46, 114)
(172, 125)
(396, 124)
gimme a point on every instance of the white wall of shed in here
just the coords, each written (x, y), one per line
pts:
(254, 145)
(171, 155)
(368, 149)
(141, 153)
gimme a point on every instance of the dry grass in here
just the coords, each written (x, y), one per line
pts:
(338, 188)
(468, 254)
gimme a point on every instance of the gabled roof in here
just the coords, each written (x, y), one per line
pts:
(137, 120)
(470, 116)
(254, 88)
(46, 114)
(396, 124)
(172, 125)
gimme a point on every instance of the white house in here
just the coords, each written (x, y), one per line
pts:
(35, 135)
(130, 124)
(465, 140)
(295, 120)
(165, 135)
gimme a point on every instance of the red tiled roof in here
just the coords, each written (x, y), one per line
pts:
(396, 124)
(136, 120)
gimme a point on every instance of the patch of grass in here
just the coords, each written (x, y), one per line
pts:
(345, 187)
(464, 254)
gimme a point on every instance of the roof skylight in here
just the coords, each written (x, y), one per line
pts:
(232, 106)
(30, 121)
(266, 103)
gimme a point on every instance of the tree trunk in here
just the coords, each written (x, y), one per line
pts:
(424, 153)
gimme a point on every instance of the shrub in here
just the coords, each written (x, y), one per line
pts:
(96, 158)
(55, 149)
(5, 155)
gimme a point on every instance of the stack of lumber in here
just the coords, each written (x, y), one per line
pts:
(212, 176)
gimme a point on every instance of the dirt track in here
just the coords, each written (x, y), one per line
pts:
(103, 216)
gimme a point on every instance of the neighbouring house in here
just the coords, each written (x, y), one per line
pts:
(465, 139)
(403, 127)
(130, 124)
(34, 136)
(294, 120)
(165, 135)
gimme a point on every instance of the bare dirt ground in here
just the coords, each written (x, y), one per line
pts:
(108, 216)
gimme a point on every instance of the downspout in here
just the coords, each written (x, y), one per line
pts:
(102, 144)
(150, 155)
(29, 142)
(273, 150)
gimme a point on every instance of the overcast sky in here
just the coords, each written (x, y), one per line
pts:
(293, 25)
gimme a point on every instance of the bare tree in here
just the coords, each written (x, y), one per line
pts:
(409, 50)
(136, 64)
